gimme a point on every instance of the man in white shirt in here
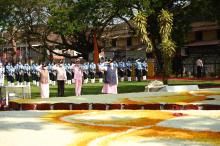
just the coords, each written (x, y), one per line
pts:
(199, 65)
(61, 78)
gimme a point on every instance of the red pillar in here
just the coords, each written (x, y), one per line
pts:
(96, 51)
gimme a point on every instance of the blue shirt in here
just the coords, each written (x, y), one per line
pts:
(115, 64)
(128, 65)
(19, 68)
(26, 68)
(92, 66)
(144, 65)
(138, 65)
(10, 70)
(86, 67)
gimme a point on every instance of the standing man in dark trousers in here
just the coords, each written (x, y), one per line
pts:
(138, 70)
(10, 71)
(27, 74)
(92, 72)
(199, 66)
(19, 69)
(86, 72)
(128, 68)
(61, 78)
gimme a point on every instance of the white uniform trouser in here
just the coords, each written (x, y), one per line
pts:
(129, 79)
(93, 81)
(2, 81)
(100, 80)
(86, 81)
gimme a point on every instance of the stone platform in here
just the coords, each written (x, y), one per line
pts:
(206, 99)
(179, 88)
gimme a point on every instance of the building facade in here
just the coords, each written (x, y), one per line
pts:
(119, 42)
(204, 43)
(36, 53)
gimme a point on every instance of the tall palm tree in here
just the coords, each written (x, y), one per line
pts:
(167, 46)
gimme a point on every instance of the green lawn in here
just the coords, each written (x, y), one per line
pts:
(123, 87)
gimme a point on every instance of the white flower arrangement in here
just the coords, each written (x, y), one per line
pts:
(155, 83)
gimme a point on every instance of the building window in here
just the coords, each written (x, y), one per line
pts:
(198, 36)
(114, 41)
(129, 41)
(218, 34)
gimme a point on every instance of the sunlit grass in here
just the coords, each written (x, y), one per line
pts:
(123, 87)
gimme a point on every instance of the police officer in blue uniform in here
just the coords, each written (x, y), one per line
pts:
(100, 72)
(115, 64)
(10, 70)
(2, 75)
(53, 74)
(138, 70)
(50, 72)
(33, 73)
(68, 73)
(144, 69)
(19, 69)
(121, 70)
(86, 71)
(92, 71)
(72, 65)
(27, 74)
(37, 74)
(128, 69)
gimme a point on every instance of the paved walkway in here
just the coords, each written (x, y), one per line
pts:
(109, 128)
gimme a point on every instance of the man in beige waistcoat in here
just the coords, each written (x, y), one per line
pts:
(44, 81)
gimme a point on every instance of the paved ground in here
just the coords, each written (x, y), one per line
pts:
(116, 127)
(109, 128)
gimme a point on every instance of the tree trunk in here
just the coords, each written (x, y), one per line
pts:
(44, 52)
(51, 57)
(96, 51)
(166, 70)
(14, 48)
(157, 56)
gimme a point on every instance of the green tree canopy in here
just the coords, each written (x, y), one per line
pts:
(75, 21)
